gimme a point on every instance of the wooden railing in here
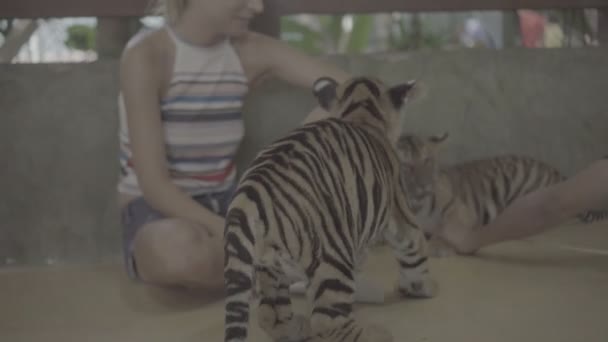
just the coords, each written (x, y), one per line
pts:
(134, 8)
(286, 7)
(113, 23)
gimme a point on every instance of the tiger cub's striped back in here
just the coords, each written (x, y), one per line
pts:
(465, 196)
(307, 207)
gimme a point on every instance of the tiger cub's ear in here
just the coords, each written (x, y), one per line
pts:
(438, 139)
(435, 141)
(400, 93)
(324, 90)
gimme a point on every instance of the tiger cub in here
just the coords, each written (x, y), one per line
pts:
(465, 196)
(307, 207)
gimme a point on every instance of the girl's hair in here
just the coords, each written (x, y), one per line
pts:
(170, 9)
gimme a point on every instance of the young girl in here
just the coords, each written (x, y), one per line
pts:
(182, 93)
(541, 210)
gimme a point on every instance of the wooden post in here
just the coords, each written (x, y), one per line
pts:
(269, 22)
(602, 27)
(510, 29)
(112, 35)
(19, 35)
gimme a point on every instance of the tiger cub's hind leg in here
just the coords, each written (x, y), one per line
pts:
(332, 294)
(275, 313)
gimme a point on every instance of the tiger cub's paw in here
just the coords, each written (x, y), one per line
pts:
(426, 287)
(376, 333)
(299, 327)
(295, 330)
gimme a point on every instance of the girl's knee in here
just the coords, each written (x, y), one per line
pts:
(176, 252)
(555, 206)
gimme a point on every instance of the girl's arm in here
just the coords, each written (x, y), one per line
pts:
(274, 58)
(295, 67)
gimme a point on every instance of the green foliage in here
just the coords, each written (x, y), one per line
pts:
(327, 34)
(361, 34)
(81, 37)
(332, 26)
(301, 36)
(414, 37)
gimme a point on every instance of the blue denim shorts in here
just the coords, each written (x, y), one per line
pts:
(138, 213)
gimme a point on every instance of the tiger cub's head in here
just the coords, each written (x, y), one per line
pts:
(419, 166)
(365, 100)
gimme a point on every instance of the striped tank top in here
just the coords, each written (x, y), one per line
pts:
(201, 120)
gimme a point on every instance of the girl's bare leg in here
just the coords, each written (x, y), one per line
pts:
(541, 210)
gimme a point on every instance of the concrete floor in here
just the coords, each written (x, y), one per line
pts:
(551, 288)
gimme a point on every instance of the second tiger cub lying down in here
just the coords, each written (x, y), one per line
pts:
(459, 198)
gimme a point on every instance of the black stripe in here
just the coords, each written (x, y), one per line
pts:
(320, 182)
(494, 194)
(376, 154)
(329, 195)
(371, 86)
(237, 312)
(327, 233)
(356, 339)
(538, 181)
(517, 193)
(346, 270)
(336, 310)
(347, 330)
(447, 206)
(236, 333)
(346, 308)
(236, 282)
(252, 194)
(415, 264)
(411, 222)
(311, 199)
(368, 105)
(317, 167)
(267, 271)
(373, 109)
(240, 251)
(331, 312)
(347, 202)
(485, 217)
(383, 218)
(362, 197)
(269, 177)
(237, 217)
(335, 285)
(350, 131)
(281, 227)
(507, 183)
(276, 301)
(315, 262)
(417, 253)
(474, 196)
(350, 109)
(338, 228)
(376, 202)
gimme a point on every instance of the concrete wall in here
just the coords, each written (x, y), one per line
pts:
(546, 103)
(58, 149)
(58, 143)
